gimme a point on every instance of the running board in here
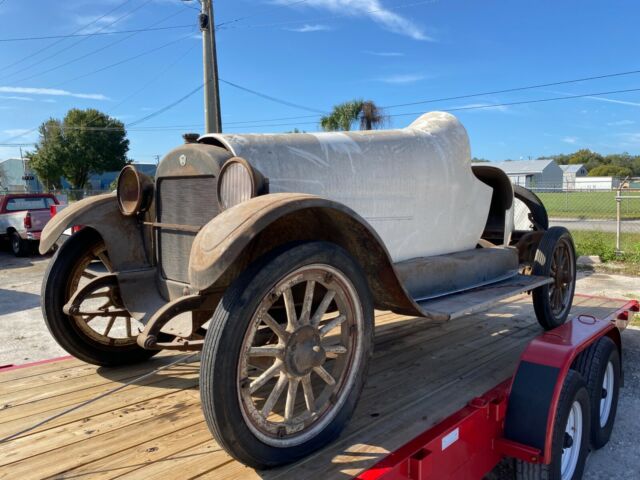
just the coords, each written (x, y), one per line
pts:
(458, 304)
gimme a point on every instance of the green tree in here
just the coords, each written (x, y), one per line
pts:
(84, 143)
(344, 115)
(610, 171)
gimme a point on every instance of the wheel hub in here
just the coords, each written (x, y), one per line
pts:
(303, 351)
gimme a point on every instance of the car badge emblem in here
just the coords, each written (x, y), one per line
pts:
(182, 160)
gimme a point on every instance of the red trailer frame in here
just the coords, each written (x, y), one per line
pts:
(472, 441)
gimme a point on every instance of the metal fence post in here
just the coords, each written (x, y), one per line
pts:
(618, 221)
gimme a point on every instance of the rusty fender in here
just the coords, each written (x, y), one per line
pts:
(122, 235)
(231, 241)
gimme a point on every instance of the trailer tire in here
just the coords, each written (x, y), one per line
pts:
(545, 302)
(599, 365)
(574, 400)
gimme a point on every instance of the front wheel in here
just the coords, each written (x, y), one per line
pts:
(101, 332)
(286, 355)
(555, 258)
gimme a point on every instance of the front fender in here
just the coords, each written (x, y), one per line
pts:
(228, 243)
(122, 235)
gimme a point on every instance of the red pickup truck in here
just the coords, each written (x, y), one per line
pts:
(22, 218)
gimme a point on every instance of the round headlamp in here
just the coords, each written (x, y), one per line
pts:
(238, 181)
(135, 191)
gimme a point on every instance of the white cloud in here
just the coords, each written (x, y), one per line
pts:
(630, 139)
(385, 54)
(481, 106)
(97, 24)
(612, 100)
(14, 97)
(401, 79)
(371, 9)
(53, 92)
(306, 28)
(571, 140)
(621, 123)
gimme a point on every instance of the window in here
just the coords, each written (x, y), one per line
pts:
(29, 203)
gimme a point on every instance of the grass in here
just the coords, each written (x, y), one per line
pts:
(588, 205)
(603, 244)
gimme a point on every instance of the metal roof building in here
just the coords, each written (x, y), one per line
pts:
(544, 173)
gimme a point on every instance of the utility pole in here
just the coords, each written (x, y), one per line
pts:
(212, 120)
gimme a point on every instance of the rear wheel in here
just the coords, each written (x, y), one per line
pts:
(570, 439)
(19, 247)
(101, 331)
(555, 258)
(286, 354)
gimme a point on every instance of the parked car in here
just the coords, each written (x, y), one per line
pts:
(281, 246)
(22, 218)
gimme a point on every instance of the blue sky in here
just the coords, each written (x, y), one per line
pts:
(317, 53)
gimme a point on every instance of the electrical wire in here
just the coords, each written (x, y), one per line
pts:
(95, 34)
(79, 41)
(93, 52)
(42, 50)
(269, 97)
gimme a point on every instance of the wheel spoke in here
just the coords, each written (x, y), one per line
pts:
(270, 322)
(274, 395)
(89, 275)
(267, 375)
(266, 351)
(307, 389)
(290, 404)
(324, 375)
(290, 306)
(109, 326)
(102, 256)
(128, 326)
(331, 324)
(307, 302)
(322, 308)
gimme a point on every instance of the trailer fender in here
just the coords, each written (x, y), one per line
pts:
(122, 235)
(537, 383)
(226, 245)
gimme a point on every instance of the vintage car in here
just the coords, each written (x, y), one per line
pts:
(277, 248)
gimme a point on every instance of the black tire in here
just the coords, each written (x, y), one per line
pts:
(573, 390)
(222, 349)
(592, 365)
(19, 247)
(62, 327)
(534, 204)
(548, 316)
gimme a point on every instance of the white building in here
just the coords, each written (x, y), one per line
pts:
(596, 183)
(570, 172)
(544, 174)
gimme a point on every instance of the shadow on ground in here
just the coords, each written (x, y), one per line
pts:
(12, 301)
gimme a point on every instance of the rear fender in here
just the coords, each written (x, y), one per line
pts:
(123, 236)
(231, 241)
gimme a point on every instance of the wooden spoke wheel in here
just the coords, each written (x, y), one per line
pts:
(286, 354)
(98, 329)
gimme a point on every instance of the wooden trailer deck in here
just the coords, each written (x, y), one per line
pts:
(421, 373)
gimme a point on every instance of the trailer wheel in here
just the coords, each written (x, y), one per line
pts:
(599, 365)
(570, 439)
(280, 377)
(19, 247)
(98, 337)
(555, 258)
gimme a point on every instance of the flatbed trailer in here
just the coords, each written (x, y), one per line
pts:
(434, 406)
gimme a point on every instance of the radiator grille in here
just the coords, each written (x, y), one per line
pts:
(182, 201)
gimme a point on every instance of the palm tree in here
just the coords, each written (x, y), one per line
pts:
(345, 114)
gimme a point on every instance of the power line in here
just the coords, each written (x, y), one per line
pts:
(55, 54)
(167, 107)
(93, 52)
(236, 20)
(113, 32)
(269, 97)
(516, 89)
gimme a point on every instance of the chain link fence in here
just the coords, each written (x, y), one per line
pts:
(604, 217)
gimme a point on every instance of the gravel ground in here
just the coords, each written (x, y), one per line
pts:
(24, 338)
